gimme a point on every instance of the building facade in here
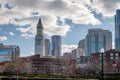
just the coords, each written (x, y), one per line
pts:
(81, 47)
(117, 30)
(56, 45)
(81, 44)
(39, 40)
(47, 47)
(111, 59)
(97, 39)
(51, 65)
(9, 52)
(77, 53)
(73, 53)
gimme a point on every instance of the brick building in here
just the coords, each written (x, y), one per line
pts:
(111, 59)
(50, 65)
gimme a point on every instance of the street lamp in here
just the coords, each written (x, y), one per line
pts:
(102, 51)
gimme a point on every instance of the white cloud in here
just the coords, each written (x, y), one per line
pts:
(26, 54)
(23, 30)
(11, 33)
(68, 48)
(49, 10)
(32, 53)
(50, 30)
(27, 35)
(3, 38)
(106, 7)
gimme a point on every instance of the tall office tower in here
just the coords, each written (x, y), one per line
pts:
(81, 44)
(39, 40)
(117, 30)
(81, 47)
(47, 47)
(77, 53)
(96, 39)
(56, 46)
(9, 52)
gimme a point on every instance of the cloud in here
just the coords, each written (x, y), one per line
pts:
(27, 35)
(20, 13)
(106, 7)
(52, 29)
(3, 38)
(32, 53)
(11, 33)
(68, 48)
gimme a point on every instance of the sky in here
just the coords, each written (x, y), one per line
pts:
(69, 18)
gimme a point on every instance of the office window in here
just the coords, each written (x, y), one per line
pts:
(116, 54)
(111, 57)
(111, 54)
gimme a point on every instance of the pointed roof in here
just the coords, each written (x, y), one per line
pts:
(39, 25)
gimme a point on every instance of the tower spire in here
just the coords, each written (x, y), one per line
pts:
(39, 25)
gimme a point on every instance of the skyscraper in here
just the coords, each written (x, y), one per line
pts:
(47, 47)
(39, 40)
(56, 45)
(96, 39)
(77, 53)
(117, 30)
(81, 47)
(81, 44)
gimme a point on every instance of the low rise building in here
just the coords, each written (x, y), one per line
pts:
(51, 65)
(111, 59)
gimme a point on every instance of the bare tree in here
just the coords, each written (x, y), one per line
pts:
(68, 65)
(118, 65)
(15, 66)
(2, 67)
(28, 66)
(93, 67)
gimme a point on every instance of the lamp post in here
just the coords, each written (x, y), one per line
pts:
(102, 51)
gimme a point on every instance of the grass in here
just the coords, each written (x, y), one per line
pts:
(36, 76)
(52, 76)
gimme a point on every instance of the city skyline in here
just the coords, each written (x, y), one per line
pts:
(19, 20)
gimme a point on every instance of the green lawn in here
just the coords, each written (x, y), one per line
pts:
(55, 77)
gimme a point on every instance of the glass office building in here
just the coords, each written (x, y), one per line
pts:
(47, 47)
(8, 52)
(117, 30)
(96, 39)
(56, 46)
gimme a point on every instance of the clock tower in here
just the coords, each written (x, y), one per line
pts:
(39, 40)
